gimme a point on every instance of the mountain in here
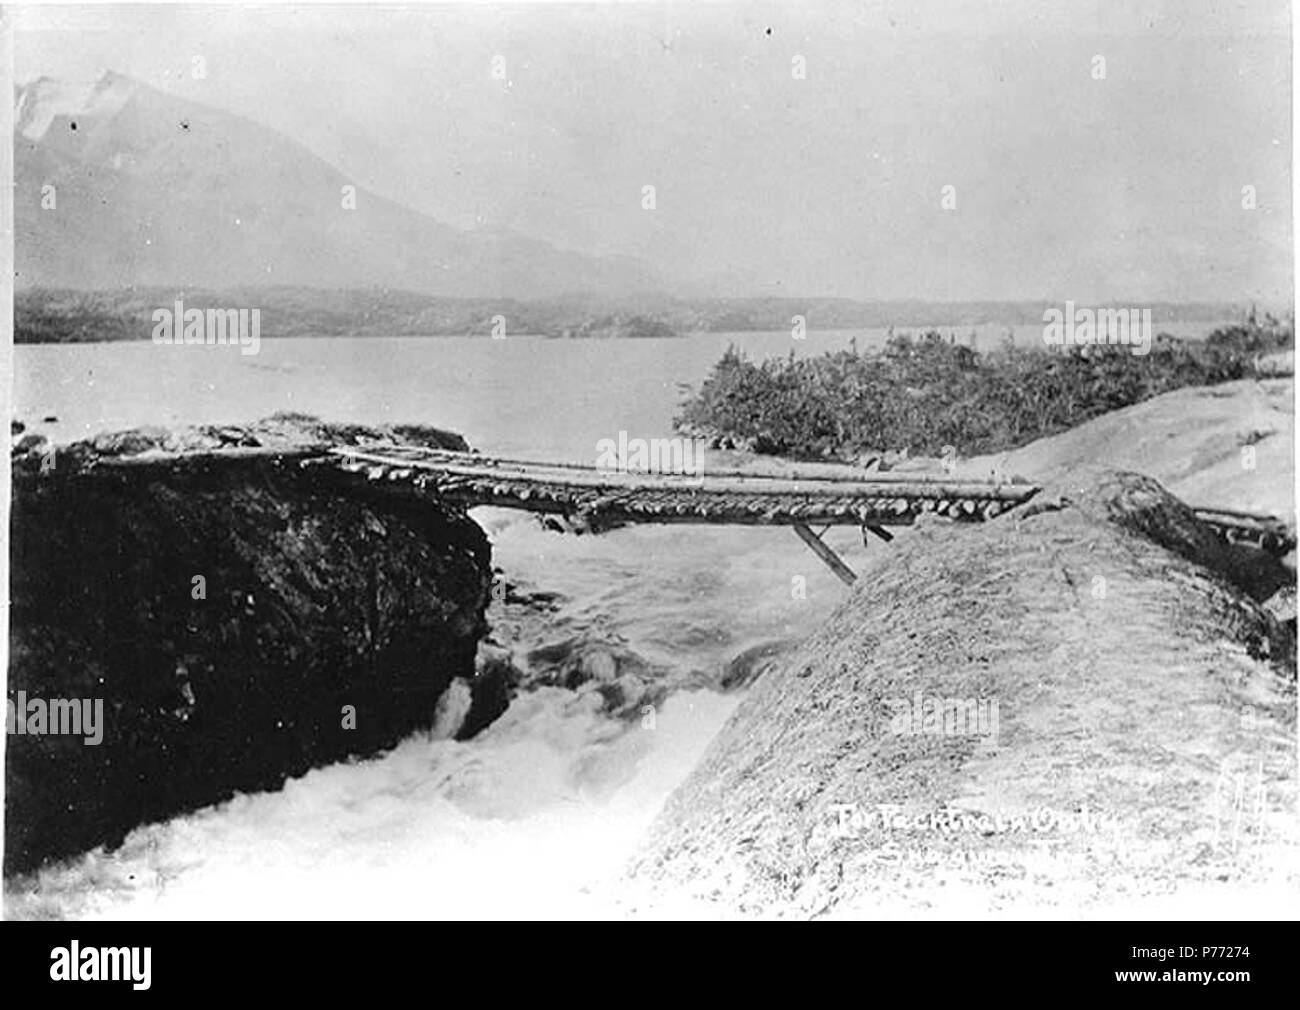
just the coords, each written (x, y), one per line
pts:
(150, 189)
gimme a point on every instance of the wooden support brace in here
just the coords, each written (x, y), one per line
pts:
(879, 531)
(831, 559)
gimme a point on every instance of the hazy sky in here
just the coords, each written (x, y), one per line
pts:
(1066, 186)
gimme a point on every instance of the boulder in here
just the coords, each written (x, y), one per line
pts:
(242, 620)
(1123, 690)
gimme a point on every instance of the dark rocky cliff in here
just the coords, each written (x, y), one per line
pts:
(227, 611)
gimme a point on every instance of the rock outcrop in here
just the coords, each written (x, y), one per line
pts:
(241, 619)
(1079, 705)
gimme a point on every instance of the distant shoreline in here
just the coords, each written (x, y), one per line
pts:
(51, 316)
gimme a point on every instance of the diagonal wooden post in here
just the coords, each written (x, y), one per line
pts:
(827, 555)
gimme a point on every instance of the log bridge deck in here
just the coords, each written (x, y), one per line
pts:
(595, 500)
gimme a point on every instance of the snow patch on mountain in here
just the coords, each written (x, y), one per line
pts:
(44, 100)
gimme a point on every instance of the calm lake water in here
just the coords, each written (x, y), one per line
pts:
(537, 815)
(520, 395)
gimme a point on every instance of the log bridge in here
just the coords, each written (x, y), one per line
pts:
(593, 500)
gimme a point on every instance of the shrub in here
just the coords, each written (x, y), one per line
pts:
(924, 393)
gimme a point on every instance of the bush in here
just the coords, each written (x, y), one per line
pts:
(925, 393)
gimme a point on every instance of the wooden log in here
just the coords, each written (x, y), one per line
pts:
(828, 556)
(577, 476)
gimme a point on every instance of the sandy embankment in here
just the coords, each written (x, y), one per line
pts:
(1146, 705)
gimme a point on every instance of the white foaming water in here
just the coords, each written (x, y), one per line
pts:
(535, 818)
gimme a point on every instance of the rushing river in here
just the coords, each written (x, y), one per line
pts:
(536, 816)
